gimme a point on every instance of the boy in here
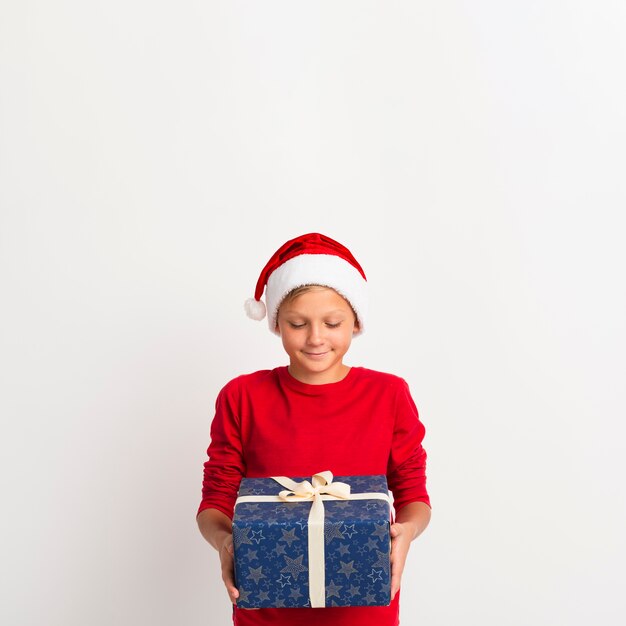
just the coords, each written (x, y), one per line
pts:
(317, 413)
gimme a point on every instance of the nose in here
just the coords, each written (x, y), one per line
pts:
(315, 336)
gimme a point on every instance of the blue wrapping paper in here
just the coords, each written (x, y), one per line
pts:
(271, 547)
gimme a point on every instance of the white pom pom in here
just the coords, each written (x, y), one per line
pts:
(255, 309)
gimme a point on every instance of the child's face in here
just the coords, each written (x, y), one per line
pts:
(316, 328)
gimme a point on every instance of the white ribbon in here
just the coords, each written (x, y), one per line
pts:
(322, 488)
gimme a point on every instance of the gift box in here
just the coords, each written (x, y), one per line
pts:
(312, 542)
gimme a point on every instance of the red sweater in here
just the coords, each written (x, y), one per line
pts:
(270, 424)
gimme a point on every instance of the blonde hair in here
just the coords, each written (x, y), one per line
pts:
(298, 291)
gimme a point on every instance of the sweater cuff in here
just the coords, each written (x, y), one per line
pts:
(208, 504)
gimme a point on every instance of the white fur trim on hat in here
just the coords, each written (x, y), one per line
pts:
(328, 270)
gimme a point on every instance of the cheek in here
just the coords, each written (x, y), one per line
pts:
(289, 337)
(345, 339)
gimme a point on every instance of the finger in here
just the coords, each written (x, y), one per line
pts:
(229, 583)
(397, 559)
(396, 577)
(228, 576)
(233, 592)
(397, 545)
(394, 590)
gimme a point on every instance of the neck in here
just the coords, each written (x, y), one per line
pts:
(320, 378)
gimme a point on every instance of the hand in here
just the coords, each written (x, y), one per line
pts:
(227, 560)
(401, 537)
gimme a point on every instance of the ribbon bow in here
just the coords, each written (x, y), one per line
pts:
(322, 484)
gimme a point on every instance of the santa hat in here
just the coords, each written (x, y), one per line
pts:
(311, 259)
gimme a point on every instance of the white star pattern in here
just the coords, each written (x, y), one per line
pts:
(349, 530)
(289, 536)
(343, 549)
(256, 573)
(283, 580)
(295, 593)
(340, 504)
(347, 568)
(382, 560)
(294, 566)
(382, 531)
(257, 535)
(332, 589)
(371, 544)
(377, 574)
(332, 531)
(240, 535)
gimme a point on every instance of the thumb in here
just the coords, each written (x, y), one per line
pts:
(394, 530)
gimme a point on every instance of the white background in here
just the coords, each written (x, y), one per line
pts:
(152, 157)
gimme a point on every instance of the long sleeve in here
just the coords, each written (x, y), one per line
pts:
(225, 467)
(406, 470)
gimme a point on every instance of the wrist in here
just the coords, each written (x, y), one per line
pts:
(412, 529)
(414, 517)
(409, 528)
(220, 538)
(215, 526)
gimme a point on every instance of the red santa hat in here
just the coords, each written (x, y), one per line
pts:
(311, 259)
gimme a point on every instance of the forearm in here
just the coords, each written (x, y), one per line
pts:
(215, 527)
(417, 515)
